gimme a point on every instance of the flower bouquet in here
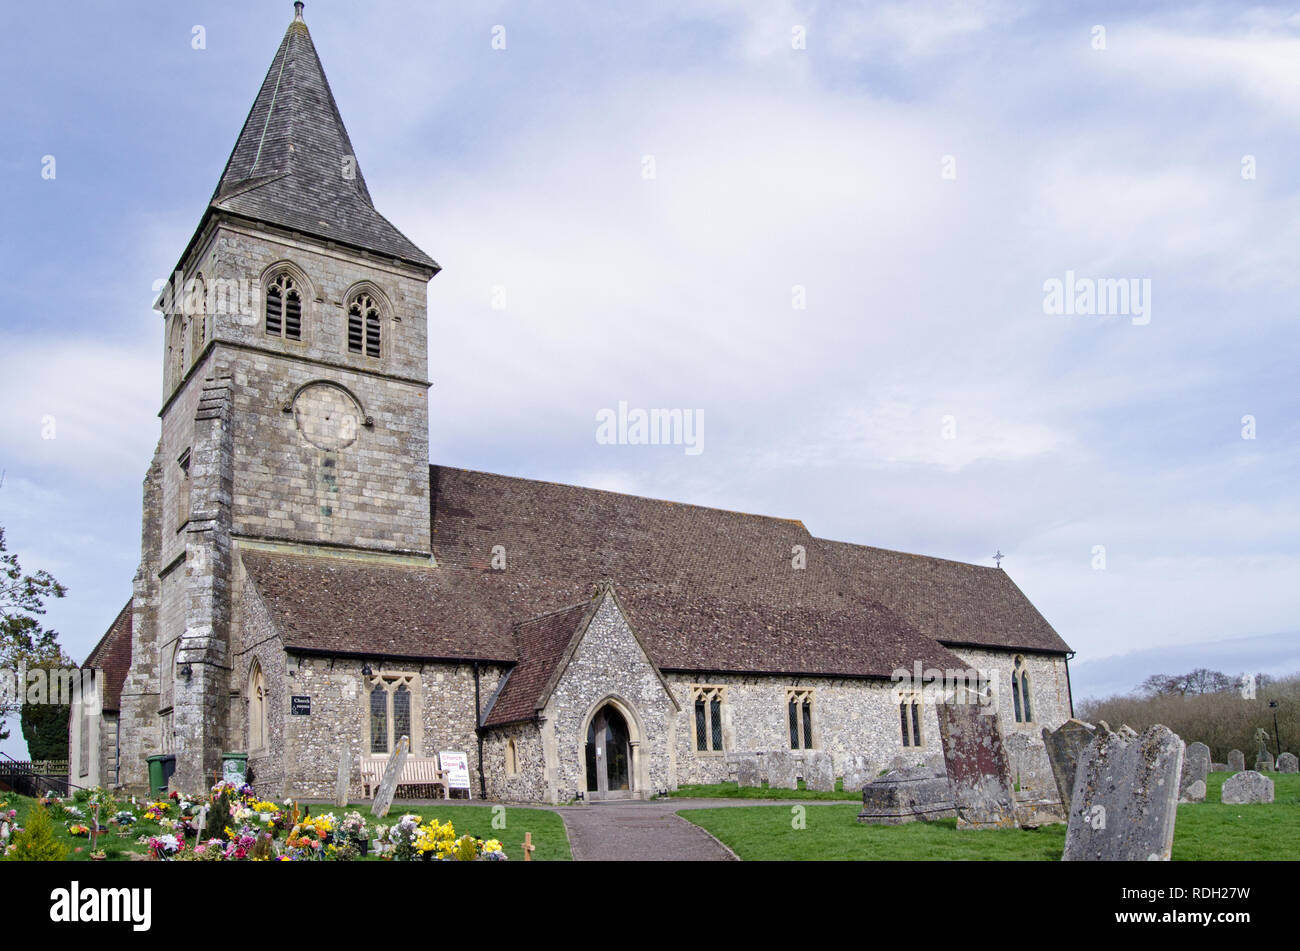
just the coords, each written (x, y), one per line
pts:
(165, 847)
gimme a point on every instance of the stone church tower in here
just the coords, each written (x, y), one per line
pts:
(294, 407)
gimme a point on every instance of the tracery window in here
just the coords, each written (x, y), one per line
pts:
(284, 308)
(909, 717)
(364, 326)
(1020, 692)
(707, 703)
(799, 713)
(392, 711)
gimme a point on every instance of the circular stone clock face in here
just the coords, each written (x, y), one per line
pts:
(327, 416)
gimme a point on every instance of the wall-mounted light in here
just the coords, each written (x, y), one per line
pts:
(187, 672)
(365, 670)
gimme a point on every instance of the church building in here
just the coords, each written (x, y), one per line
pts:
(309, 583)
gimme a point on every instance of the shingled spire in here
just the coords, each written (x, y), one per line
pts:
(293, 164)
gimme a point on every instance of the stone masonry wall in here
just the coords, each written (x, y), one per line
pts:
(849, 717)
(610, 662)
(529, 783)
(303, 751)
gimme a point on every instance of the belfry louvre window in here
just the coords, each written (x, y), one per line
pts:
(909, 716)
(392, 700)
(799, 704)
(707, 703)
(364, 326)
(283, 309)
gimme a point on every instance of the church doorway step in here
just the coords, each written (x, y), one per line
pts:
(610, 769)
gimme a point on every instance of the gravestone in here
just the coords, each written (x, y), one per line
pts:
(819, 771)
(1247, 787)
(1196, 769)
(344, 778)
(1287, 763)
(1031, 770)
(1218, 767)
(1125, 798)
(4, 831)
(1063, 746)
(1236, 760)
(857, 772)
(388, 785)
(1264, 762)
(200, 824)
(780, 770)
(906, 795)
(977, 767)
(747, 771)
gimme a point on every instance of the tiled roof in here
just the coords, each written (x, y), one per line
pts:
(705, 589)
(293, 164)
(112, 655)
(951, 601)
(352, 606)
(542, 645)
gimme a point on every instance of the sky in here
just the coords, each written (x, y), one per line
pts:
(831, 230)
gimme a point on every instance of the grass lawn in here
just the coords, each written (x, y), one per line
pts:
(1204, 831)
(732, 791)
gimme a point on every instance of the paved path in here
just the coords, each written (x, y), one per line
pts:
(637, 831)
(640, 831)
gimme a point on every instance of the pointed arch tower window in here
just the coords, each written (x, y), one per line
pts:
(284, 307)
(364, 326)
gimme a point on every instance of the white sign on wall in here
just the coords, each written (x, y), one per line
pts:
(456, 768)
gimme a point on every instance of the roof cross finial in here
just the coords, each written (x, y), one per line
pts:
(297, 10)
(997, 557)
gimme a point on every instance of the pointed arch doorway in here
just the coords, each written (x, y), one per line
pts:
(610, 751)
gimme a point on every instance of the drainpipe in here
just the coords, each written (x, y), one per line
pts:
(478, 732)
(1069, 686)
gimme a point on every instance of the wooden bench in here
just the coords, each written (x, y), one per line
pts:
(416, 771)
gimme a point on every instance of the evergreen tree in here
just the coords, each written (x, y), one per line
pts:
(37, 842)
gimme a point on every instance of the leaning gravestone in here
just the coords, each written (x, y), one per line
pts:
(388, 785)
(819, 771)
(1236, 760)
(1287, 763)
(1264, 762)
(977, 767)
(1196, 769)
(780, 770)
(1125, 798)
(1064, 745)
(906, 795)
(344, 777)
(747, 773)
(1247, 787)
